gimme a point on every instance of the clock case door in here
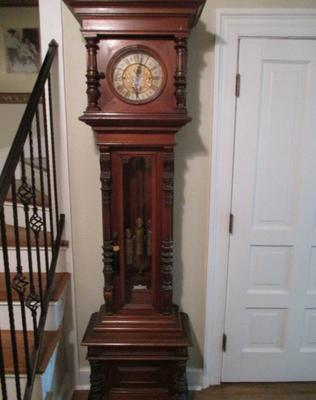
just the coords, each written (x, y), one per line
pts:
(140, 220)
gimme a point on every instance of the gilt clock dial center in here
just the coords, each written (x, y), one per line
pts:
(137, 77)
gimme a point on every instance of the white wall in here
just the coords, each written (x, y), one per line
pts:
(192, 189)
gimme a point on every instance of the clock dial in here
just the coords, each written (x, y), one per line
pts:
(137, 77)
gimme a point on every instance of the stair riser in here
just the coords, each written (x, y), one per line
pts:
(54, 315)
(37, 177)
(61, 263)
(21, 215)
(11, 390)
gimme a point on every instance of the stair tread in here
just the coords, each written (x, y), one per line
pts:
(38, 196)
(50, 340)
(36, 163)
(60, 282)
(23, 238)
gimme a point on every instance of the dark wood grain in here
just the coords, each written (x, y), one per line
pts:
(138, 341)
(19, 3)
(162, 16)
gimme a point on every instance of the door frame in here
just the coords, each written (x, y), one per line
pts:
(231, 26)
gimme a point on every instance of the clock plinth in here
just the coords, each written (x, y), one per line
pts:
(136, 87)
(139, 355)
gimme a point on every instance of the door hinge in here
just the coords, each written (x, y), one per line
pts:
(231, 223)
(237, 88)
(224, 343)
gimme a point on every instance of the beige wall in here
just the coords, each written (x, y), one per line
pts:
(10, 117)
(192, 174)
(11, 114)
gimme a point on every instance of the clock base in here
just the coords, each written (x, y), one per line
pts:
(138, 357)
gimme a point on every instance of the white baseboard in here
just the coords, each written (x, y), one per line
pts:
(195, 379)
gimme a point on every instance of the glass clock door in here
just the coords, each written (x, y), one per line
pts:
(134, 225)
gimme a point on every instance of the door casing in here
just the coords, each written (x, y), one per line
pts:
(231, 26)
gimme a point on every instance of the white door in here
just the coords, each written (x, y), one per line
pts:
(271, 299)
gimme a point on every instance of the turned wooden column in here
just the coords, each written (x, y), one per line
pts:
(93, 75)
(181, 72)
(96, 381)
(181, 382)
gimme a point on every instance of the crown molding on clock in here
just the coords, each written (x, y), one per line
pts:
(110, 122)
(156, 16)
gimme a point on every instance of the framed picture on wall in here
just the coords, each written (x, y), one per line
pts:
(22, 50)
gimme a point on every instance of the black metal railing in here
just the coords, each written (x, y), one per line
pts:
(30, 237)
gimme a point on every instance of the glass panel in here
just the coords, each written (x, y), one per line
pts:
(137, 180)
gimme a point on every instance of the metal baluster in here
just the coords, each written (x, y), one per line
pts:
(52, 135)
(41, 171)
(36, 222)
(20, 281)
(10, 304)
(2, 372)
(25, 194)
(50, 201)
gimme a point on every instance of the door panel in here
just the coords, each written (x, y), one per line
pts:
(271, 299)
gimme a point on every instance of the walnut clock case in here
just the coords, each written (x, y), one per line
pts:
(136, 88)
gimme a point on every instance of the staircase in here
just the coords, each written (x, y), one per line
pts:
(33, 283)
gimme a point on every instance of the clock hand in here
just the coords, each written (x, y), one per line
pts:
(139, 67)
(137, 78)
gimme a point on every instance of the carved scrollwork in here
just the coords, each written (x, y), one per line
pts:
(108, 258)
(108, 272)
(106, 179)
(167, 243)
(96, 381)
(167, 270)
(168, 178)
(167, 264)
(181, 381)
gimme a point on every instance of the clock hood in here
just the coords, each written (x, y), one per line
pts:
(162, 16)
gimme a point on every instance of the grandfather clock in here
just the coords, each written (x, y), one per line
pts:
(136, 78)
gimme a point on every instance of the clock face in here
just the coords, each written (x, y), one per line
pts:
(137, 76)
